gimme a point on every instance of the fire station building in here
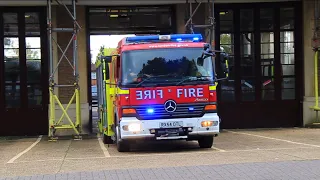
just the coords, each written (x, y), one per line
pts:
(271, 62)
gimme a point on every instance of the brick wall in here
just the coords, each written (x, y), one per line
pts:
(199, 17)
(65, 72)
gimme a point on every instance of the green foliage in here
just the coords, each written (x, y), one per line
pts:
(107, 50)
(225, 41)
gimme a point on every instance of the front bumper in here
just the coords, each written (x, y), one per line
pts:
(146, 126)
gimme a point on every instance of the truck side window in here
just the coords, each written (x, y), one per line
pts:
(117, 67)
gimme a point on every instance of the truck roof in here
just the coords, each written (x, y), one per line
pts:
(151, 42)
(163, 45)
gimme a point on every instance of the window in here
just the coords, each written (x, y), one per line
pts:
(227, 45)
(11, 60)
(287, 51)
(93, 75)
(247, 55)
(166, 67)
(267, 54)
(33, 58)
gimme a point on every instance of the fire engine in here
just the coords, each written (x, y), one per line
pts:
(158, 87)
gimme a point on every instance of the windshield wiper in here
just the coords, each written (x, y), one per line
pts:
(193, 78)
(147, 79)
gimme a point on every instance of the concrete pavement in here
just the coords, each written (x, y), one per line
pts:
(246, 171)
(234, 148)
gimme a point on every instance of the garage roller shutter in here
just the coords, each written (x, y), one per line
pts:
(120, 2)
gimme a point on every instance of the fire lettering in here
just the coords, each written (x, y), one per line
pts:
(191, 92)
(149, 94)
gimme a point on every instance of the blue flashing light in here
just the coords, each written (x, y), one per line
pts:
(150, 111)
(166, 38)
(195, 39)
(191, 108)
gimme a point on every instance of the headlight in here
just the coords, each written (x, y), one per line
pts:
(209, 123)
(134, 127)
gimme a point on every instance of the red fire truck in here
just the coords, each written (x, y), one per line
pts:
(158, 87)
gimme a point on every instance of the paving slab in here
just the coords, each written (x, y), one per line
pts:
(46, 150)
(32, 168)
(242, 171)
(160, 147)
(165, 160)
(234, 146)
(131, 162)
(301, 135)
(10, 148)
(237, 141)
(87, 148)
(63, 149)
(310, 154)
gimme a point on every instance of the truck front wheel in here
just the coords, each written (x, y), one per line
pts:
(122, 146)
(107, 139)
(206, 142)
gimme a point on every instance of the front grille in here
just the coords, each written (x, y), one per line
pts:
(181, 111)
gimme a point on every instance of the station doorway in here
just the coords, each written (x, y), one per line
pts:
(264, 43)
(108, 25)
(266, 56)
(23, 71)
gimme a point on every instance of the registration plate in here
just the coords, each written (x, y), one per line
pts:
(171, 124)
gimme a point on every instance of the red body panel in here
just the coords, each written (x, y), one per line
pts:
(213, 96)
(159, 95)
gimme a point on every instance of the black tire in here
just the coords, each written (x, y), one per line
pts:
(122, 146)
(206, 142)
(107, 139)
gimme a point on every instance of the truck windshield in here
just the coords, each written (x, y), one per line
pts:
(165, 67)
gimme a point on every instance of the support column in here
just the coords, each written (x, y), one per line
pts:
(309, 115)
(180, 18)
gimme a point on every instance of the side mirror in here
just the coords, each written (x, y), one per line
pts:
(108, 59)
(200, 61)
(107, 72)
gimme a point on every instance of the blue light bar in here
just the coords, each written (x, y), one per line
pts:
(164, 38)
(150, 111)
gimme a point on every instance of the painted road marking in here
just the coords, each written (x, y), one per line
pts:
(26, 150)
(103, 147)
(277, 139)
(218, 149)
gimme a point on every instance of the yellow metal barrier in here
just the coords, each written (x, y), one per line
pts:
(53, 125)
(316, 106)
(316, 80)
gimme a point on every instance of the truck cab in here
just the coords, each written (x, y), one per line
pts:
(159, 87)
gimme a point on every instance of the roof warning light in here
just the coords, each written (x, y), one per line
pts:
(162, 38)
